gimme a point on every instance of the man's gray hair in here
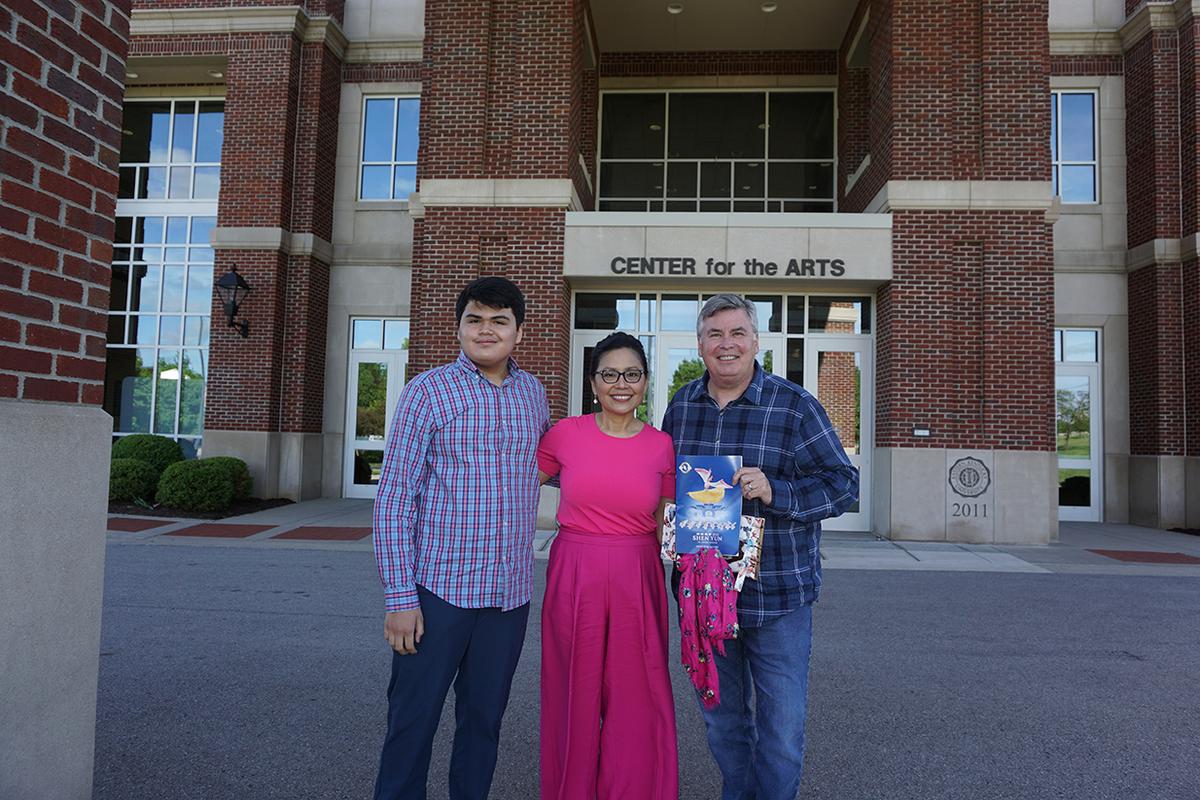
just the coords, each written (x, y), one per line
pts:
(724, 302)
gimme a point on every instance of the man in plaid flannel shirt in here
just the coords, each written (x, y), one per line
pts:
(795, 473)
(454, 523)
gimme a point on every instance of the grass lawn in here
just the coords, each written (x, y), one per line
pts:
(1080, 446)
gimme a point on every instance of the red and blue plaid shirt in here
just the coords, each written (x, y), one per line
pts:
(457, 502)
(780, 428)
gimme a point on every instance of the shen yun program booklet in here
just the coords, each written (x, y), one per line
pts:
(708, 506)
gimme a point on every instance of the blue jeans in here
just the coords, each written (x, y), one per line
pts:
(760, 748)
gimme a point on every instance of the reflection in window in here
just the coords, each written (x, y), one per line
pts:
(1073, 146)
(379, 334)
(160, 305)
(604, 312)
(389, 148)
(171, 149)
(1075, 487)
(839, 315)
(771, 151)
(1073, 410)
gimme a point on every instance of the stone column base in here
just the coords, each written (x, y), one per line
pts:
(281, 464)
(1164, 491)
(970, 496)
(53, 508)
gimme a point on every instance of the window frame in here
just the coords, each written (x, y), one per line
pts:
(362, 163)
(1056, 145)
(766, 160)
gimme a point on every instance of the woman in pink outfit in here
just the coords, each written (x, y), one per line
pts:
(608, 716)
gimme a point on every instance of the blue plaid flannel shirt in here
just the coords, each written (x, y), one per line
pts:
(781, 429)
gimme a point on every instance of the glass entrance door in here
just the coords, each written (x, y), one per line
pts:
(1077, 425)
(837, 371)
(1075, 395)
(378, 361)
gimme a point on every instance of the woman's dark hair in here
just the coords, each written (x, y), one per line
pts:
(493, 292)
(617, 341)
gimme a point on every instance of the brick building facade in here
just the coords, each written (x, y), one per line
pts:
(1007, 190)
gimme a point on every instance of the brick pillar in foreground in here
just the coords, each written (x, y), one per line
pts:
(62, 74)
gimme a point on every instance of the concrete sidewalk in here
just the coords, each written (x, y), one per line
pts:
(346, 524)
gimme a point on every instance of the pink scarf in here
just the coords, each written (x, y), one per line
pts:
(707, 616)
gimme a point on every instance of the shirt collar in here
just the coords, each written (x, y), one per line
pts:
(469, 365)
(753, 393)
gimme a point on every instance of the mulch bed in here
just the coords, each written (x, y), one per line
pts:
(239, 507)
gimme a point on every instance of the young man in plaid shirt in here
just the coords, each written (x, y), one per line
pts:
(795, 473)
(454, 523)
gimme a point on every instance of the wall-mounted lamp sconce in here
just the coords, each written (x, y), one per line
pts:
(232, 289)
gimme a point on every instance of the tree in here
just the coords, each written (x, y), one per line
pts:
(688, 370)
(1074, 413)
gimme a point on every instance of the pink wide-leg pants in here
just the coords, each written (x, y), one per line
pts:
(608, 716)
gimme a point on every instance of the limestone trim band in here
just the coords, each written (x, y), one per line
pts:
(378, 52)
(1086, 43)
(263, 238)
(285, 19)
(1157, 17)
(1163, 251)
(489, 192)
(964, 196)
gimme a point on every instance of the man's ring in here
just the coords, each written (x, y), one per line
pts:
(750, 486)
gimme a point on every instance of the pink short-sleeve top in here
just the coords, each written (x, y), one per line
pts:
(610, 485)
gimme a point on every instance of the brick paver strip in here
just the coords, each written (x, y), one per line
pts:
(221, 530)
(1148, 556)
(326, 534)
(135, 524)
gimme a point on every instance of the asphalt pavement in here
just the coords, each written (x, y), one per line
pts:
(230, 670)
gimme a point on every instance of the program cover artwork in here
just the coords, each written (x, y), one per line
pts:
(708, 505)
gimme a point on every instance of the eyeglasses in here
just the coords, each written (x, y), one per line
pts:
(611, 375)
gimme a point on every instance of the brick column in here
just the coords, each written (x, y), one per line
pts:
(265, 398)
(62, 72)
(958, 129)
(1161, 134)
(503, 82)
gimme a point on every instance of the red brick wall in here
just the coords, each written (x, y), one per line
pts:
(243, 390)
(964, 332)
(316, 141)
(1151, 137)
(1156, 386)
(393, 72)
(1189, 123)
(502, 88)
(524, 245)
(262, 88)
(868, 108)
(1191, 340)
(1087, 65)
(62, 68)
(969, 84)
(304, 323)
(719, 62)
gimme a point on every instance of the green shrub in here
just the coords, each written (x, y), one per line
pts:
(131, 479)
(196, 486)
(157, 451)
(238, 473)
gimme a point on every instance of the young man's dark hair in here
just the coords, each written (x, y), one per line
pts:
(493, 292)
(617, 341)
